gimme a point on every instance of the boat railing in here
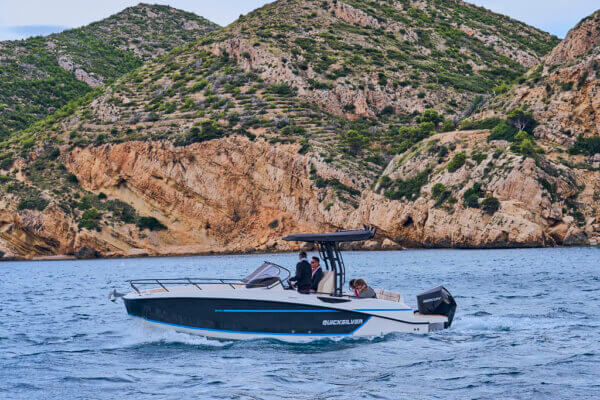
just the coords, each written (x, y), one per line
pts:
(170, 282)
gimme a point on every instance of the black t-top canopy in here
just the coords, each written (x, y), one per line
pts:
(352, 235)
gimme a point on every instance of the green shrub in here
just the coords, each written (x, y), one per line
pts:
(447, 126)
(437, 190)
(150, 223)
(385, 182)
(208, 130)
(486, 123)
(527, 148)
(440, 194)
(335, 184)
(478, 157)
(431, 116)
(122, 211)
(472, 201)
(90, 219)
(28, 143)
(457, 161)
(401, 138)
(72, 178)
(6, 163)
(490, 205)
(33, 203)
(503, 131)
(355, 141)
(588, 146)
(293, 130)
(471, 196)
(281, 89)
(409, 189)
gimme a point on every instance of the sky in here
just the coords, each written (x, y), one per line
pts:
(22, 18)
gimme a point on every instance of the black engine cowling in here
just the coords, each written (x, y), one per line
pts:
(437, 301)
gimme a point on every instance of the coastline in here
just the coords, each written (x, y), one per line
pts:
(70, 257)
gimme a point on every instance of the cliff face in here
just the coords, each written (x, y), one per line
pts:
(234, 194)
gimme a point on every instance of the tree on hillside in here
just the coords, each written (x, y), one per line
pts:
(431, 116)
(519, 119)
(355, 141)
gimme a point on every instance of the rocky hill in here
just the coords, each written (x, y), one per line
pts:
(41, 74)
(302, 116)
(381, 58)
(562, 92)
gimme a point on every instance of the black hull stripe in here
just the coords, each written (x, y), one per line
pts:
(327, 308)
(251, 333)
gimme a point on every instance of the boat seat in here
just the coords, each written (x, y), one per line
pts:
(327, 283)
(389, 296)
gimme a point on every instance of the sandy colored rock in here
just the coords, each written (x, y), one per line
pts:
(584, 37)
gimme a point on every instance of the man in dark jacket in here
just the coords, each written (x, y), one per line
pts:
(303, 274)
(317, 273)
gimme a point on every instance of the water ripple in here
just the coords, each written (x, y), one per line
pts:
(526, 327)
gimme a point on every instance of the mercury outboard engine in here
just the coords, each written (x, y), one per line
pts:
(437, 301)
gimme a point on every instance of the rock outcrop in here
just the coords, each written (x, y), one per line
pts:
(563, 92)
(238, 195)
(584, 37)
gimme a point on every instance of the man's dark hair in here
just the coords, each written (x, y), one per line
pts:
(302, 254)
(317, 259)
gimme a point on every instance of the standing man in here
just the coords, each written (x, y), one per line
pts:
(317, 273)
(303, 274)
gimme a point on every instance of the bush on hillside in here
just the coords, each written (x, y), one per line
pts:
(503, 131)
(150, 223)
(588, 146)
(490, 205)
(457, 161)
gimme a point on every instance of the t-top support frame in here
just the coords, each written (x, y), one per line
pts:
(332, 257)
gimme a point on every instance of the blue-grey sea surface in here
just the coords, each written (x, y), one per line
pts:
(527, 327)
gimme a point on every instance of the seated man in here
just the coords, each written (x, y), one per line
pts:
(317, 273)
(303, 274)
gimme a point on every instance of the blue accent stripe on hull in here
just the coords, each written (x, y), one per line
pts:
(252, 333)
(382, 309)
(277, 311)
(313, 311)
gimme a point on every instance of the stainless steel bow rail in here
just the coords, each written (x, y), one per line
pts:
(255, 279)
(197, 282)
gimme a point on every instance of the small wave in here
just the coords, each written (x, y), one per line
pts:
(383, 377)
(111, 379)
(479, 314)
(514, 296)
(143, 335)
(27, 386)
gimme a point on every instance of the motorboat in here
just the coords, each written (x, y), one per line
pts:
(265, 305)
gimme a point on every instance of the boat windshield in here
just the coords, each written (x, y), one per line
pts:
(267, 270)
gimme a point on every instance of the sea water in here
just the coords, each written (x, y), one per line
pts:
(527, 326)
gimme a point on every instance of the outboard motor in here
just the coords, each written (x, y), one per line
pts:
(437, 301)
